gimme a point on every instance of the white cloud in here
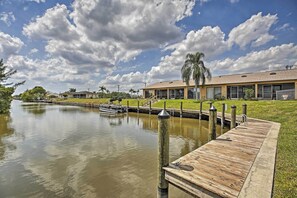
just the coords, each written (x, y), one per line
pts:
(285, 27)
(251, 30)
(38, 1)
(7, 18)
(33, 51)
(273, 58)
(99, 34)
(210, 41)
(234, 1)
(265, 38)
(9, 45)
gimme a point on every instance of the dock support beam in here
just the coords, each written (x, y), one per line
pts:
(212, 135)
(233, 116)
(137, 106)
(223, 116)
(127, 106)
(163, 133)
(150, 109)
(200, 112)
(181, 110)
(244, 112)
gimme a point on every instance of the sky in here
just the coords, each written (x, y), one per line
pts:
(91, 43)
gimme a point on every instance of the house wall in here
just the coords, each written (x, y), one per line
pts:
(224, 90)
(203, 92)
(296, 90)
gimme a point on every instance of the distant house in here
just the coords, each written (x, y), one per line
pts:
(80, 94)
(280, 85)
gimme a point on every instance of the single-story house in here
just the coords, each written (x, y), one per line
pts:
(280, 84)
(80, 94)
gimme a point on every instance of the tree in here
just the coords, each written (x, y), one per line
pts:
(131, 91)
(37, 93)
(72, 90)
(102, 89)
(194, 68)
(6, 88)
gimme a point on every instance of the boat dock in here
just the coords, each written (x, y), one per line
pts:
(239, 163)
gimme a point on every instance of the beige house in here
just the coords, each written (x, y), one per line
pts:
(281, 84)
(80, 94)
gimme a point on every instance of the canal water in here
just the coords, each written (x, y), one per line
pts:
(65, 151)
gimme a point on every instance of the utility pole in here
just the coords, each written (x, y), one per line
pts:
(118, 88)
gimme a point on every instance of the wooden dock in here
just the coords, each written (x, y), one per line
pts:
(239, 163)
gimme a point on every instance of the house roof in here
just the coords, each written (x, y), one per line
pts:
(267, 76)
(79, 92)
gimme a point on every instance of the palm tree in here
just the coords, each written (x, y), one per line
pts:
(131, 91)
(102, 89)
(194, 68)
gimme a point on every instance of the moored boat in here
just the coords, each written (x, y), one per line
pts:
(112, 108)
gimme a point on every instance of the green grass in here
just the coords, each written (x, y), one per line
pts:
(132, 102)
(284, 112)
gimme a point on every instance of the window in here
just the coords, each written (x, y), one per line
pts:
(192, 93)
(213, 92)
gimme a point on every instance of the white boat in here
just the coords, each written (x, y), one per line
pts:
(112, 108)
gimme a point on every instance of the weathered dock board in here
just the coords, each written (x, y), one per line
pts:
(239, 163)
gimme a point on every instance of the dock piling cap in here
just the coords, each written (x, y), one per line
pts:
(212, 108)
(163, 114)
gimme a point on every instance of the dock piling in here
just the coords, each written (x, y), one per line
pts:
(137, 106)
(150, 108)
(212, 123)
(223, 115)
(200, 112)
(127, 106)
(244, 112)
(233, 117)
(181, 109)
(164, 105)
(210, 104)
(163, 133)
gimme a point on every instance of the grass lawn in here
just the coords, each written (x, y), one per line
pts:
(284, 112)
(132, 102)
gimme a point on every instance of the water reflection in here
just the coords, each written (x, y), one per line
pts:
(79, 152)
(5, 131)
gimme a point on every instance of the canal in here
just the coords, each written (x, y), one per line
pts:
(65, 151)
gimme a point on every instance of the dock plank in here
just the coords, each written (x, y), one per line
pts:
(220, 167)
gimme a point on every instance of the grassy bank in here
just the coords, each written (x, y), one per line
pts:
(284, 112)
(132, 102)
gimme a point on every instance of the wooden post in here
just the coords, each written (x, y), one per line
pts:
(181, 109)
(233, 116)
(137, 106)
(212, 123)
(163, 133)
(164, 105)
(200, 113)
(223, 115)
(210, 104)
(150, 110)
(244, 112)
(127, 106)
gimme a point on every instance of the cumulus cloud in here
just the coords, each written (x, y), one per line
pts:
(7, 18)
(38, 1)
(269, 59)
(99, 34)
(252, 30)
(9, 45)
(33, 51)
(210, 40)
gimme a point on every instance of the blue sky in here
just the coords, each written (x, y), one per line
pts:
(90, 43)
